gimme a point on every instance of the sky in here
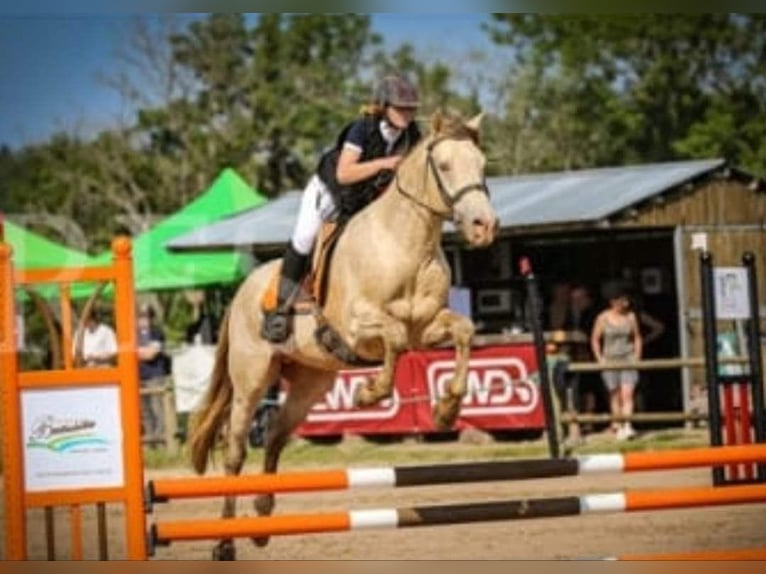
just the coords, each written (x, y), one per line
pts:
(49, 66)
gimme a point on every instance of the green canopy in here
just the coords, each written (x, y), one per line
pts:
(157, 268)
(33, 251)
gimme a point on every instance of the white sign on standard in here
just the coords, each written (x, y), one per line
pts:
(72, 438)
(732, 299)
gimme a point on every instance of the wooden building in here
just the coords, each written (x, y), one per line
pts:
(638, 224)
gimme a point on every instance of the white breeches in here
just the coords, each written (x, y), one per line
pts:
(317, 205)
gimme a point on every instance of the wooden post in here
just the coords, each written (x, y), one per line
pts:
(13, 469)
(127, 363)
(170, 418)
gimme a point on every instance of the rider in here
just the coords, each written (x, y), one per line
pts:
(349, 176)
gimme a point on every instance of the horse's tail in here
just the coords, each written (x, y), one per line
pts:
(217, 404)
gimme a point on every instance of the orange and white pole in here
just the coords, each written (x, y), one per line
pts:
(629, 501)
(197, 487)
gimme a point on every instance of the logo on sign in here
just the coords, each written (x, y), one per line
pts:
(64, 435)
(338, 403)
(498, 386)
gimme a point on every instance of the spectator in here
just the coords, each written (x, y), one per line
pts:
(580, 318)
(616, 337)
(582, 310)
(558, 309)
(152, 371)
(97, 341)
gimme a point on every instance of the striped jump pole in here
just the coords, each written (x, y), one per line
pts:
(163, 533)
(161, 490)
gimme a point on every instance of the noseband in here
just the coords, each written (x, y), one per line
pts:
(449, 199)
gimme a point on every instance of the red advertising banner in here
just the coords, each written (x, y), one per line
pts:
(503, 394)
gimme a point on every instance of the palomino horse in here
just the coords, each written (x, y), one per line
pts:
(387, 292)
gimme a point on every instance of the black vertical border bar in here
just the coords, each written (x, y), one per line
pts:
(711, 357)
(755, 357)
(551, 424)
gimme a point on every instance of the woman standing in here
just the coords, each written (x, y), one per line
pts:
(616, 338)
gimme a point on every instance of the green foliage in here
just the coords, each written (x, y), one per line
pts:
(635, 88)
(267, 98)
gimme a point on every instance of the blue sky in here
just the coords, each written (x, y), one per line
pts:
(49, 65)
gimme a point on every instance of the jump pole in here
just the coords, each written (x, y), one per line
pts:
(162, 533)
(162, 490)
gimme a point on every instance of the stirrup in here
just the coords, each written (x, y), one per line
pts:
(276, 326)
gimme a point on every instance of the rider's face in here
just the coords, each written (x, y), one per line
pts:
(400, 117)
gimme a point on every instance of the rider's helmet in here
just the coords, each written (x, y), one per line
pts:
(395, 90)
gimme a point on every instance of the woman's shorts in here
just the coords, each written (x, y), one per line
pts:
(615, 379)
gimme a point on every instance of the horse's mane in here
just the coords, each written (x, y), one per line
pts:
(445, 123)
(450, 123)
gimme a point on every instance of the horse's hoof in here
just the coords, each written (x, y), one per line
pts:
(261, 541)
(364, 396)
(445, 414)
(225, 551)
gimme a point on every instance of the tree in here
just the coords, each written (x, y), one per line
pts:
(266, 95)
(657, 86)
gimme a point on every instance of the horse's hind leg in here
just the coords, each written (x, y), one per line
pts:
(251, 374)
(449, 325)
(306, 387)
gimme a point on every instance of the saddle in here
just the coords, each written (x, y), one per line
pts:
(313, 294)
(313, 291)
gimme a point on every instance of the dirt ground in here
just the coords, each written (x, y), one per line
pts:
(591, 536)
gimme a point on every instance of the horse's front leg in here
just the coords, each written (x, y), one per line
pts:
(449, 325)
(375, 324)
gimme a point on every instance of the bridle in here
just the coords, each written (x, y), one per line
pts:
(448, 199)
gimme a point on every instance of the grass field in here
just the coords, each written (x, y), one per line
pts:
(356, 451)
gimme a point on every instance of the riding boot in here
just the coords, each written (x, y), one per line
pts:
(277, 324)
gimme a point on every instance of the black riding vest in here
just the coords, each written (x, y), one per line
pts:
(352, 198)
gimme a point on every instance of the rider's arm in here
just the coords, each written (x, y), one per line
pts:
(638, 344)
(351, 170)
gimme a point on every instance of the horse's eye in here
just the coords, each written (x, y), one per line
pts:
(444, 166)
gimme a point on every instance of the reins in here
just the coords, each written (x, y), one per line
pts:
(449, 200)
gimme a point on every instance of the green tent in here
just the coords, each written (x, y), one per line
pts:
(157, 268)
(33, 251)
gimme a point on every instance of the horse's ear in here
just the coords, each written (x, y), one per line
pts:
(474, 124)
(437, 121)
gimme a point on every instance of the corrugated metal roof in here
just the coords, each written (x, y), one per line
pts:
(580, 196)
(587, 195)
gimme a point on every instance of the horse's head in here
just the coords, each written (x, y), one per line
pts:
(457, 166)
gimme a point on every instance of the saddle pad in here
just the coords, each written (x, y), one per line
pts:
(269, 299)
(303, 304)
(328, 237)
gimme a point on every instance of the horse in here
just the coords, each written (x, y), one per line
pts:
(387, 292)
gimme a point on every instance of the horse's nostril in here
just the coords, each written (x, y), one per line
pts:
(484, 225)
